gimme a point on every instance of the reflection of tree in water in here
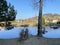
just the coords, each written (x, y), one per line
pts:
(9, 26)
(58, 22)
(1, 24)
(24, 25)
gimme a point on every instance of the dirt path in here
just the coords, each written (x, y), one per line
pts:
(31, 41)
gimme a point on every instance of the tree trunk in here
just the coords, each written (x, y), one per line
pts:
(40, 20)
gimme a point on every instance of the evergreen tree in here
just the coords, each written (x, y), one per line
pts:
(7, 12)
(3, 10)
(12, 13)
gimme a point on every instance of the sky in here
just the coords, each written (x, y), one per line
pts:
(25, 8)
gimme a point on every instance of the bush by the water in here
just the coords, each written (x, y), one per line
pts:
(9, 26)
(23, 35)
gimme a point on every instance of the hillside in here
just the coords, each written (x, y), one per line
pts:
(51, 16)
(30, 21)
(34, 20)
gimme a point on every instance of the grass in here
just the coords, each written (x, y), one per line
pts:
(23, 23)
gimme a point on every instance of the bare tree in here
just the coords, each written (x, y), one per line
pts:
(38, 5)
(40, 19)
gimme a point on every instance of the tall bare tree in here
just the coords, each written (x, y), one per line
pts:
(40, 19)
(40, 15)
(38, 5)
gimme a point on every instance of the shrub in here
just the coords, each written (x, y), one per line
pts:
(26, 33)
(23, 35)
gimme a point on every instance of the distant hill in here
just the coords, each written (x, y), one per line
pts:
(46, 16)
(51, 16)
(34, 20)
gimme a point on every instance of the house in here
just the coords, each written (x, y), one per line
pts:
(55, 21)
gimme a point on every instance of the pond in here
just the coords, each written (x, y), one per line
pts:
(14, 33)
(52, 33)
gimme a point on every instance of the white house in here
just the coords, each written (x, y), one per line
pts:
(54, 21)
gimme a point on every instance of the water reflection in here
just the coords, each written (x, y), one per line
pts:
(14, 33)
